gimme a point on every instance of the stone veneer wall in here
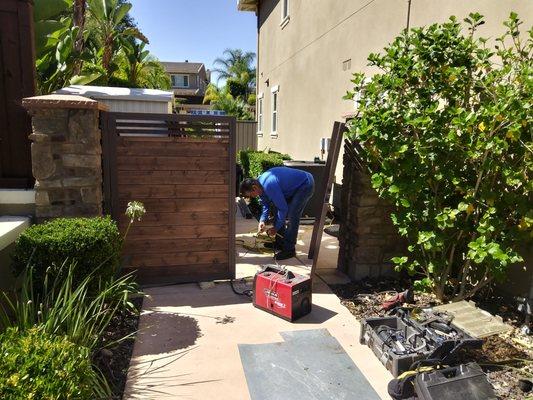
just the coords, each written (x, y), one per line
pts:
(66, 156)
(367, 237)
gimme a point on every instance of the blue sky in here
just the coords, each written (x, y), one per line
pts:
(194, 30)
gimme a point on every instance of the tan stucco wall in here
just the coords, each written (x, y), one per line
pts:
(306, 62)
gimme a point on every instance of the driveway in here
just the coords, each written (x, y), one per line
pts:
(188, 344)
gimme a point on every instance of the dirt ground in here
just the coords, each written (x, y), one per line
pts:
(114, 360)
(505, 358)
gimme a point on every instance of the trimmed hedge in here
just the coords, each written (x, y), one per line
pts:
(35, 365)
(254, 163)
(89, 242)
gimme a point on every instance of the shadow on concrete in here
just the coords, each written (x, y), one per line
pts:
(166, 332)
(191, 295)
(318, 315)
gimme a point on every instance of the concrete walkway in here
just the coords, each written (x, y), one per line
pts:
(187, 346)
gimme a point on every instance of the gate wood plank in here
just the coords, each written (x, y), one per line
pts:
(140, 192)
(146, 246)
(181, 274)
(182, 205)
(182, 219)
(178, 232)
(135, 163)
(164, 138)
(130, 147)
(174, 177)
(184, 258)
(336, 140)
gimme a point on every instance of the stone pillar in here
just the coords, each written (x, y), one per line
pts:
(367, 237)
(66, 155)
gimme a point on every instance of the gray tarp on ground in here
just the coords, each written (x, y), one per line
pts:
(309, 364)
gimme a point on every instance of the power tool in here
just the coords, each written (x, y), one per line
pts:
(282, 292)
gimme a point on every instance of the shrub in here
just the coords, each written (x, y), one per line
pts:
(91, 243)
(254, 163)
(446, 129)
(36, 365)
(60, 307)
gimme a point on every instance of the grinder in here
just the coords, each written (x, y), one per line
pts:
(282, 293)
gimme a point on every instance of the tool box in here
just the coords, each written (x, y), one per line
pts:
(399, 341)
(464, 382)
(282, 293)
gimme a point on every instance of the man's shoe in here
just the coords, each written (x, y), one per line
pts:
(284, 255)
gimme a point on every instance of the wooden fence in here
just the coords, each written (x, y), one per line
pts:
(17, 80)
(246, 135)
(182, 168)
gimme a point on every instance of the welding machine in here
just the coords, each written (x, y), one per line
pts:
(282, 293)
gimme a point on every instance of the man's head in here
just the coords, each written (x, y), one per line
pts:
(251, 188)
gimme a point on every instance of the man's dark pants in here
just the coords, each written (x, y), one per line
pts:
(296, 205)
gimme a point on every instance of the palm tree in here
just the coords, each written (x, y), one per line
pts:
(237, 68)
(222, 99)
(234, 62)
(109, 17)
(78, 18)
(142, 69)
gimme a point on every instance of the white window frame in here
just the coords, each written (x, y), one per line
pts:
(274, 112)
(285, 12)
(260, 114)
(182, 76)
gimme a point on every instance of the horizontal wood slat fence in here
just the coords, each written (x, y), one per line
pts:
(182, 168)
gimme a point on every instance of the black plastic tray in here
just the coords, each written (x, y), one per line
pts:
(464, 382)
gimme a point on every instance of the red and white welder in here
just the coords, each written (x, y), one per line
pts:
(282, 292)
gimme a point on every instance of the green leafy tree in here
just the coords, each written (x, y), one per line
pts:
(109, 27)
(446, 129)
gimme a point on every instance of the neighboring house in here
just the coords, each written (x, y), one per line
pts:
(308, 50)
(189, 80)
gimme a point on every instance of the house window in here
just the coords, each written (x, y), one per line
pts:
(275, 92)
(180, 81)
(284, 12)
(260, 114)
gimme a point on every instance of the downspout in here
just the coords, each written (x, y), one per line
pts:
(408, 14)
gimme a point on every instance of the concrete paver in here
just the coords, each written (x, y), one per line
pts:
(187, 346)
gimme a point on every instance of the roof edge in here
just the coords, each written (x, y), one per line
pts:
(247, 5)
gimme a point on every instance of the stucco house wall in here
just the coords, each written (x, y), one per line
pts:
(306, 56)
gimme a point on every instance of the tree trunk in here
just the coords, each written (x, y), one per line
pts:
(79, 21)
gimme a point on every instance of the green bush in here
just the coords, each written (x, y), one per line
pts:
(90, 243)
(35, 365)
(446, 131)
(254, 163)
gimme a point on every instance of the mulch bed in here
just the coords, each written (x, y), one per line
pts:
(115, 360)
(364, 298)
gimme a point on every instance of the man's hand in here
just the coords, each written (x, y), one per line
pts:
(261, 227)
(272, 232)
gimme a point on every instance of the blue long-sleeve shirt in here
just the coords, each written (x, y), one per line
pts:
(279, 184)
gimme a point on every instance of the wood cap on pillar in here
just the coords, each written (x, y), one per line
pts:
(63, 101)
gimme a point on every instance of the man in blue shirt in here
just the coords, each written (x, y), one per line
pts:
(289, 190)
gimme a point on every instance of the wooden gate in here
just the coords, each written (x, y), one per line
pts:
(17, 80)
(182, 167)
